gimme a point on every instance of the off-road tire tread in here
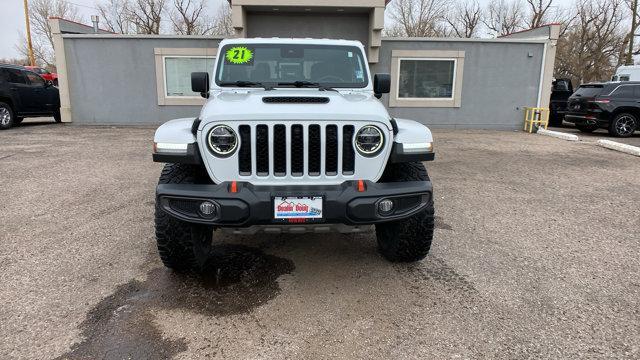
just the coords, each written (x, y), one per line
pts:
(175, 237)
(406, 240)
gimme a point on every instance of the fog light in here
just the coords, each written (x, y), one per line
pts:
(385, 207)
(208, 209)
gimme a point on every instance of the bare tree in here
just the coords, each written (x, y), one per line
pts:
(42, 38)
(220, 24)
(594, 44)
(465, 19)
(41, 52)
(504, 17)
(418, 18)
(187, 17)
(538, 12)
(146, 15)
(116, 15)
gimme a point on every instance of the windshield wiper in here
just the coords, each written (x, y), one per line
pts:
(300, 84)
(241, 83)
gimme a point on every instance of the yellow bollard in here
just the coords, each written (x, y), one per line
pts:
(537, 116)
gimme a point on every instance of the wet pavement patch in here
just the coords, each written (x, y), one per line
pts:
(434, 270)
(236, 279)
(440, 224)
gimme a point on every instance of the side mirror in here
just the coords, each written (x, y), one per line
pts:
(200, 83)
(381, 84)
(48, 83)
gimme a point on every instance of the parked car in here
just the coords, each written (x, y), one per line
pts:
(612, 106)
(277, 149)
(560, 93)
(24, 93)
(46, 74)
(627, 73)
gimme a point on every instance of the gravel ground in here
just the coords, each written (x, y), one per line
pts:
(535, 256)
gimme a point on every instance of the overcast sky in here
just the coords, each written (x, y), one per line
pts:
(12, 20)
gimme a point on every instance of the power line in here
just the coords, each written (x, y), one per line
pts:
(84, 6)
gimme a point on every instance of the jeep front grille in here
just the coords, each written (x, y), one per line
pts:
(295, 152)
(289, 155)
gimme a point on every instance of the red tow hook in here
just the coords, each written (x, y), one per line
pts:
(361, 186)
(233, 187)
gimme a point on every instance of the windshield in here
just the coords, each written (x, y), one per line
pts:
(290, 64)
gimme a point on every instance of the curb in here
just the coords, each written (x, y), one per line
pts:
(557, 134)
(613, 145)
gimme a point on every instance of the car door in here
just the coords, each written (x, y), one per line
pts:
(625, 95)
(38, 97)
(19, 90)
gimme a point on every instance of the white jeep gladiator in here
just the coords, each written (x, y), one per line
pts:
(292, 139)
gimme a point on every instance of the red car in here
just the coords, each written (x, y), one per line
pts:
(46, 74)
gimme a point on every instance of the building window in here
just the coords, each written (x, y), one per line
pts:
(173, 73)
(428, 78)
(177, 74)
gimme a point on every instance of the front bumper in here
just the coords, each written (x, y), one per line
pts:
(253, 205)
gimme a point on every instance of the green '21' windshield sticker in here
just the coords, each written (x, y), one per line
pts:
(239, 55)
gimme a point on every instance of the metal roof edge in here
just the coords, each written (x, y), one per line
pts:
(478, 40)
(140, 36)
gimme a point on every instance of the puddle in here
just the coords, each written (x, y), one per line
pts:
(236, 280)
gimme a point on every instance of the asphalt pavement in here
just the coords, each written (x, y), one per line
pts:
(536, 255)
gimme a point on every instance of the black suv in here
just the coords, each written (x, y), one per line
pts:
(560, 93)
(24, 93)
(612, 106)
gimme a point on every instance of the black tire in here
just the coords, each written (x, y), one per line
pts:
(7, 117)
(182, 246)
(623, 125)
(57, 117)
(555, 120)
(586, 128)
(406, 240)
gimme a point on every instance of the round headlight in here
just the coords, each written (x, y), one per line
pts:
(223, 141)
(369, 140)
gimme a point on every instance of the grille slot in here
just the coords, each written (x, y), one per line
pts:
(314, 150)
(331, 150)
(262, 150)
(297, 150)
(279, 150)
(244, 155)
(348, 154)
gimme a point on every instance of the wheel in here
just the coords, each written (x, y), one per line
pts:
(182, 246)
(623, 125)
(410, 239)
(7, 118)
(586, 128)
(57, 117)
(555, 120)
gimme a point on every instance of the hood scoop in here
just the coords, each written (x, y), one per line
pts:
(295, 100)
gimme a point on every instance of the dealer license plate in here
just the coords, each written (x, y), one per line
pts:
(297, 207)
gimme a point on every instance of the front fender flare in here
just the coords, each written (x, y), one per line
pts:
(413, 141)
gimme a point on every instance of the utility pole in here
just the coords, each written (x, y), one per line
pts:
(632, 35)
(32, 60)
